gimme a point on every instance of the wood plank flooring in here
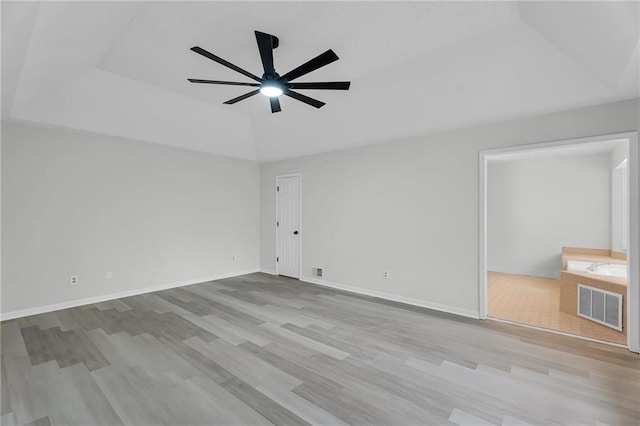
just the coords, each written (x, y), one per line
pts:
(259, 349)
(536, 301)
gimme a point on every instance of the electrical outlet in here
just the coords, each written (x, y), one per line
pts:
(233, 258)
(385, 274)
(74, 280)
(109, 275)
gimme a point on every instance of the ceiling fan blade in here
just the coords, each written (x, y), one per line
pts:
(230, 83)
(302, 98)
(265, 46)
(275, 104)
(240, 98)
(329, 85)
(318, 62)
(221, 61)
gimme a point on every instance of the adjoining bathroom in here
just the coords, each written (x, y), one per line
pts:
(557, 238)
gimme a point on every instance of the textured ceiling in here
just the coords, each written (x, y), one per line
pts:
(120, 68)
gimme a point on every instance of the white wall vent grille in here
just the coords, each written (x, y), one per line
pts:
(603, 307)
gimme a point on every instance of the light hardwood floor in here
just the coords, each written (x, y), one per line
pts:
(259, 349)
(536, 301)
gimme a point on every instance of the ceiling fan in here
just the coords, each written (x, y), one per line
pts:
(273, 84)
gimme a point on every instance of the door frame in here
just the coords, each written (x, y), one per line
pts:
(277, 228)
(633, 262)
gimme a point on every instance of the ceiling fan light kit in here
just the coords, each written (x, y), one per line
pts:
(271, 89)
(271, 84)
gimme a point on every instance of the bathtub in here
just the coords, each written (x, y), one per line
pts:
(606, 269)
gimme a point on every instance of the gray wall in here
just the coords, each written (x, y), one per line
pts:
(411, 206)
(536, 206)
(83, 204)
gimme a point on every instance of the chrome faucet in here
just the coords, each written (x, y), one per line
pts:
(594, 266)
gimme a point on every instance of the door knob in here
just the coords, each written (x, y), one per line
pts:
(295, 232)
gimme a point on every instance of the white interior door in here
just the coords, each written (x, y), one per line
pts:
(288, 226)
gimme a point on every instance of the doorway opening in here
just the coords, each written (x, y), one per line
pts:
(289, 225)
(559, 237)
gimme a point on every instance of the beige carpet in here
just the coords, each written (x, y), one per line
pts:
(536, 301)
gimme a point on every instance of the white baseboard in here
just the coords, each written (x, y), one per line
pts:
(542, 273)
(104, 298)
(268, 271)
(409, 301)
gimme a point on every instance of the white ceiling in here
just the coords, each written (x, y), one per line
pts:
(121, 68)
